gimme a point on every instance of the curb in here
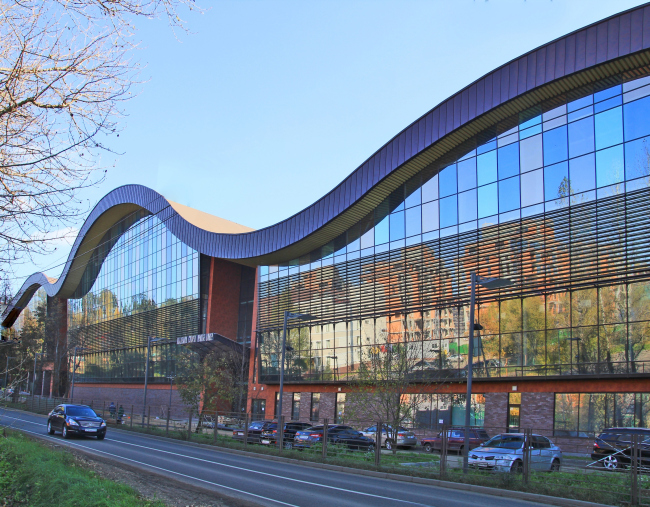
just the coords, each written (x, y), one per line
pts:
(505, 493)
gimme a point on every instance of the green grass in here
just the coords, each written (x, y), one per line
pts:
(32, 474)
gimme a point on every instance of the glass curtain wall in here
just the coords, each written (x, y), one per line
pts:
(555, 199)
(141, 282)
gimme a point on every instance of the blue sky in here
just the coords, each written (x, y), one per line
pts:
(267, 105)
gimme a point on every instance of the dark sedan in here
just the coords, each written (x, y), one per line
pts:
(613, 447)
(76, 420)
(336, 434)
(255, 429)
(269, 436)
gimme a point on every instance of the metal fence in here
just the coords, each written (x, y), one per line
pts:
(530, 460)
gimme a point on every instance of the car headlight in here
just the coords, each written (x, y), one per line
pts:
(72, 422)
(507, 458)
(103, 424)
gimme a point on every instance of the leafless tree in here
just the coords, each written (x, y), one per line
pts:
(66, 68)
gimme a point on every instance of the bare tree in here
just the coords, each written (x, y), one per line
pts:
(66, 68)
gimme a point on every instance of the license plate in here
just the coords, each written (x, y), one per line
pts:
(241, 433)
(265, 442)
(91, 430)
(302, 437)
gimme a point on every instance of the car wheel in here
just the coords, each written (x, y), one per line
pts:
(65, 432)
(460, 450)
(50, 430)
(611, 462)
(389, 445)
(517, 467)
(555, 466)
(428, 448)
(101, 437)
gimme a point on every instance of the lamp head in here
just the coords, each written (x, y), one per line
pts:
(493, 283)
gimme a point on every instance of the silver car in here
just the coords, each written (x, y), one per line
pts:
(505, 453)
(405, 438)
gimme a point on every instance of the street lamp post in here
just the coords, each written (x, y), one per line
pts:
(287, 316)
(7, 373)
(150, 340)
(488, 283)
(171, 386)
(74, 369)
(34, 379)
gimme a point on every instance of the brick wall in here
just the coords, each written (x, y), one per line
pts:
(496, 412)
(223, 310)
(327, 406)
(305, 407)
(537, 412)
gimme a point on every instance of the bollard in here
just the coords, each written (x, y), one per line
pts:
(378, 445)
(527, 443)
(189, 428)
(443, 449)
(634, 500)
(214, 431)
(325, 428)
(169, 409)
(246, 430)
(148, 417)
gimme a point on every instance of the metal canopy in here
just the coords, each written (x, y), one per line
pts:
(210, 342)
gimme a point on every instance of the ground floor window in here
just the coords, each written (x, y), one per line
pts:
(340, 408)
(436, 410)
(295, 406)
(258, 408)
(315, 407)
(586, 414)
(514, 410)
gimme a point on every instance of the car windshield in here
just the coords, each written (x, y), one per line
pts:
(505, 442)
(81, 412)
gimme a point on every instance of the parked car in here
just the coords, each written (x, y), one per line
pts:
(613, 447)
(269, 436)
(405, 438)
(255, 429)
(455, 440)
(76, 420)
(336, 434)
(505, 453)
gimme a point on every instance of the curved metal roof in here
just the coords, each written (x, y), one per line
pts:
(617, 44)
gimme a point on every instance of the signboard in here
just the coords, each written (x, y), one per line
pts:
(195, 338)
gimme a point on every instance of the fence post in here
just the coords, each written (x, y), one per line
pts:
(216, 424)
(131, 416)
(325, 428)
(378, 445)
(148, 417)
(280, 433)
(527, 444)
(189, 428)
(634, 500)
(443, 450)
(169, 409)
(246, 430)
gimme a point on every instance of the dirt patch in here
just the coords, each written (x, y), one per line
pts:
(150, 485)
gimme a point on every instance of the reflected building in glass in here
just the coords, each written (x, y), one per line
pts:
(539, 173)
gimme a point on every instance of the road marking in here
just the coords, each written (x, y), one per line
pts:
(153, 466)
(259, 472)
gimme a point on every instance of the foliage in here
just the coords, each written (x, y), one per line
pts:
(32, 474)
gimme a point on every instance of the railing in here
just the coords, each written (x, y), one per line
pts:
(535, 461)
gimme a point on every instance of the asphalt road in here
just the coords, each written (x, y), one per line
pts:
(258, 480)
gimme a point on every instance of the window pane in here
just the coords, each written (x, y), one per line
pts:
(486, 166)
(413, 221)
(381, 231)
(555, 145)
(532, 187)
(397, 226)
(637, 159)
(510, 315)
(581, 137)
(584, 307)
(467, 206)
(592, 412)
(488, 203)
(448, 181)
(509, 194)
(448, 211)
(566, 414)
(412, 192)
(508, 161)
(467, 174)
(430, 189)
(555, 180)
(609, 128)
(583, 173)
(637, 118)
(609, 166)
(530, 153)
(430, 220)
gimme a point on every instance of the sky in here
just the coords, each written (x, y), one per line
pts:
(264, 106)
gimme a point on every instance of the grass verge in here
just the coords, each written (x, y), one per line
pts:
(32, 474)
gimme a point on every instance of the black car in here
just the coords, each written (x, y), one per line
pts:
(270, 434)
(76, 420)
(255, 429)
(613, 447)
(336, 434)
